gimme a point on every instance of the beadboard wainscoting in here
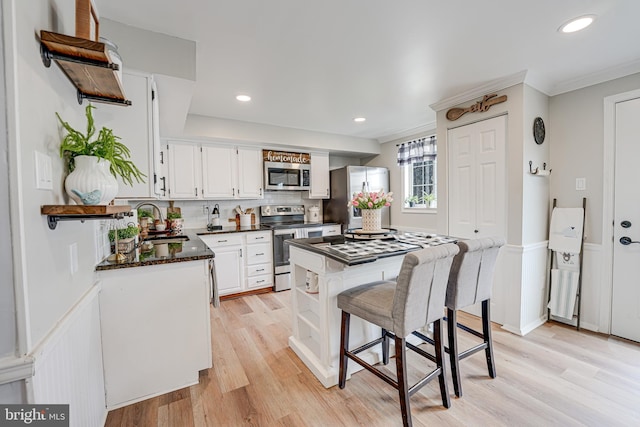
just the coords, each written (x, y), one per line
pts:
(68, 364)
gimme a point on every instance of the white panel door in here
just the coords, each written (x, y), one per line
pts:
(490, 177)
(250, 173)
(477, 186)
(462, 170)
(229, 270)
(219, 172)
(625, 308)
(184, 170)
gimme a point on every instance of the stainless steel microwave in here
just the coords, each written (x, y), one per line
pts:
(286, 176)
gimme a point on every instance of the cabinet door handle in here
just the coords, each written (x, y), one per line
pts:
(234, 191)
(261, 192)
(327, 191)
(261, 237)
(240, 253)
(260, 254)
(259, 281)
(260, 269)
(164, 186)
(162, 157)
(222, 241)
(196, 191)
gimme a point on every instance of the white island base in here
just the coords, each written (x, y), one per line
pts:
(316, 317)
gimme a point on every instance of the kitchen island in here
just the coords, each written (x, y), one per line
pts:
(340, 264)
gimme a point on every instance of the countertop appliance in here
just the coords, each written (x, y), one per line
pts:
(287, 176)
(287, 222)
(346, 181)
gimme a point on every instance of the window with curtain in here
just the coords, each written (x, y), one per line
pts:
(418, 159)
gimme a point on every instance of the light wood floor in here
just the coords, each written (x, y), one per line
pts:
(554, 376)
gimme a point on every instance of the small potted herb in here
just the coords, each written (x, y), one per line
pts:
(429, 199)
(175, 220)
(411, 201)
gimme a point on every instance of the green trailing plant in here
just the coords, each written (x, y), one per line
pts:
(124, 233)
(105, 146)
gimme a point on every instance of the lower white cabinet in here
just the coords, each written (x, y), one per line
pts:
(244, 261)
(156, 332)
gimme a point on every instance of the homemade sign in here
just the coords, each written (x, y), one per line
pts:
(286, 157)
(480, 106)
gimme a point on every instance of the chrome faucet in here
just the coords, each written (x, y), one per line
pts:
(154, 206)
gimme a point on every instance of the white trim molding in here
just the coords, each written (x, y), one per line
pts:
(425, 128)
(479, 91)
(15, 369)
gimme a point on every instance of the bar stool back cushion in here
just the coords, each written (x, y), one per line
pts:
(471, 277)
(401, 308)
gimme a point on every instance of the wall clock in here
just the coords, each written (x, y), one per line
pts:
(538, 130)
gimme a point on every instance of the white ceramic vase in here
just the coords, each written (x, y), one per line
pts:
(371, 219)
(91, 182)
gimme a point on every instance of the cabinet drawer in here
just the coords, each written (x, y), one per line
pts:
(259, 269)
(216, 241)
(259, 253)
(259, 237)
(263, 281)
(331, 230)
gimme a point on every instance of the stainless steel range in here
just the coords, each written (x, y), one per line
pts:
(287, 222)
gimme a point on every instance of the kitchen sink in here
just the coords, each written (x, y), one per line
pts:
(157, 240)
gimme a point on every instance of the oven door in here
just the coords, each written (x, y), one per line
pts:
(280, 250)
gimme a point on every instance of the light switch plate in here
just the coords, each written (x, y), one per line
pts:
(44, 179)
(581, 184)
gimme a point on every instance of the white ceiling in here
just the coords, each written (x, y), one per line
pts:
(316, 65)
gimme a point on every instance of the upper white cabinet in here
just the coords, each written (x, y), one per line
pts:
(219, 172)
(319, 176)
(136, 125)
(250, 173)
(184, 170)
(209, 171)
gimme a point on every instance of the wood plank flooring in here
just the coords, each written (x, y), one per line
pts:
(554, 376)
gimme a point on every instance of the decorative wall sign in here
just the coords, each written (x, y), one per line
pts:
(286, 157)
(480, 106)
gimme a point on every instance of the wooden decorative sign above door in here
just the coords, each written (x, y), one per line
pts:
(480, 106)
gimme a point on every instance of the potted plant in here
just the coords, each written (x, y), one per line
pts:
(144, 217)
(429, 199)
(412, 200)
(94, 163)
(175, 220)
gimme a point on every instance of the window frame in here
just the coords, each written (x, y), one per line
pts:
(407, 183)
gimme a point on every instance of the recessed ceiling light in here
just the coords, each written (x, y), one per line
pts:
(359, 119)
(577, 24)
(243, 98)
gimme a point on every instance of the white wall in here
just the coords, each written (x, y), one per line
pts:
(267, 135)
(426, 221)
(150, 51)
(576, 129)
(35, 93)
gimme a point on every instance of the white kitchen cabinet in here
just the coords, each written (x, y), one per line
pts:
(156, 332)
(211, 171)
(184, 170)
(319, 176)
(219, 172)
(250, 173)
(136, 125)
(244, 261)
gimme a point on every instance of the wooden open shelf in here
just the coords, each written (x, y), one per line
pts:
(57, 213)
(86, 64)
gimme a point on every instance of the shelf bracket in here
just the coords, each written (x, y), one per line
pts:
(52, 220)
(82, 96)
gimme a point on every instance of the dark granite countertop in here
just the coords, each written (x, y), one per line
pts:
(228, 229)
(192, 249)
(354, 252)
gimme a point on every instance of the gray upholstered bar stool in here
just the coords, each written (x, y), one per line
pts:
(415, 300)
(470, 281)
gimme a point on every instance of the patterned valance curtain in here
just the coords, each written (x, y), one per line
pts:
(418, 150)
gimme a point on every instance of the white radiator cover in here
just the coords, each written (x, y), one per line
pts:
(68, 364)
